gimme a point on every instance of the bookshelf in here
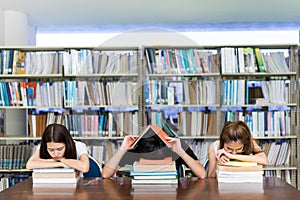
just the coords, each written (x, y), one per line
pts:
(240, 90)
(95, 92)
(181, 84)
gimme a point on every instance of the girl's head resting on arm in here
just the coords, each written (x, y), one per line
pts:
(57, 143)
(236, 138)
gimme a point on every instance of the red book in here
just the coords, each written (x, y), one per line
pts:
(165, 161)
(150, 130)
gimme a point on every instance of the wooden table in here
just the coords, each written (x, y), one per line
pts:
(120, 188)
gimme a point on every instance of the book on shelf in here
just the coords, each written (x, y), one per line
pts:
(149, 131)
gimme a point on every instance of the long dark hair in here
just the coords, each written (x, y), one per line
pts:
(59, 134)
(237, 131)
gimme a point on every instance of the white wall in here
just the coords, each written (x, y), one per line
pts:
(158, 37)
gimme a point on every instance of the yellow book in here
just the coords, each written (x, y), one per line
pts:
(240, 163)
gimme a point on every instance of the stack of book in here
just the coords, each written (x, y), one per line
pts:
(55, 176)
(238, 172)
(248, 175)
(159, 176)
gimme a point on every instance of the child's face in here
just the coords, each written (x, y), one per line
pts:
(56, 150)
(234, 147)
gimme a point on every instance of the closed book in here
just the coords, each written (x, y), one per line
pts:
(55, 175)
(166, 160)
(55, 170)
(137, 167)
(239, 168)
(241, 163)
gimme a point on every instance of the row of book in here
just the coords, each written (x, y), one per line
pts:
(80, 93)
(237, 92)
(278, 153)
(282, 174)
(264, 123)
(188, 123)
(90, 124)
(160, 61)
(91, 93)
(14, 156)
(73, 93)
(197, 123)
(273, 123)
(31, 94)
(103, 125)
(75, 62)
(87, 61)
(181, 61)
(14, 61)
(251, 60)
(7, 180)
(180, 92)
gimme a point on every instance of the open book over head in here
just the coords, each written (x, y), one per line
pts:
(149, 131)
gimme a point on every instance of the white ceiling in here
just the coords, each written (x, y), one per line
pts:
(43, 13)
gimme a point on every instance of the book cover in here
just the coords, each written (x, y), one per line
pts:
(150, 131)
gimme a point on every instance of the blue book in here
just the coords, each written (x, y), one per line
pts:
(101, 122)
(225, 92)
(153, 173)
(247, 93)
